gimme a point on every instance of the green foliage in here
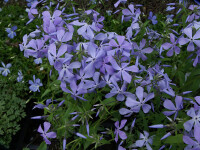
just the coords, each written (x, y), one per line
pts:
(11, 109)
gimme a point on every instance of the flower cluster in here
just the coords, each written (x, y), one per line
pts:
(89, 59)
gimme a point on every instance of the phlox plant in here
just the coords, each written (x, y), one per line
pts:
(136, 88)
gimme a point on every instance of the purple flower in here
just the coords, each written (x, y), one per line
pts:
(197, 60)
(172, 45)
(94, 58)
(192, 145)
(135, 105)
(118, 2)
(152, 18)
(131, 13)
(174, 109)
(76, 90)
(20, 76)
(92, 85)
(191, 39)
(32, 11)
(35, 84)
(118, 132)
(5, 69)
(11, 33)
(55, 18)
(195, 14)
(195, 121)
(44, 133)
(123, 70)
(86, 30)
(67, 69)
(140, 50)
(122, 46)
(119, 91)
(98, 22)
(145, 140)
(54, 57)
(63, 36)
(37, 48)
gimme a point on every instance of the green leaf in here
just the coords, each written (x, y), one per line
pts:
(178, 139)
(46, 92)
(43, 146)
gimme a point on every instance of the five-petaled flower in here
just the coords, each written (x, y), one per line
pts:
(121, 134)
(5, 69)
(35, 84)
(44, 133)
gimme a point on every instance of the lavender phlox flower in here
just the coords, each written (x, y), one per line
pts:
(193, 143)
(169, 18)
(35, 84)
(38, 61)
(105, 67)
(120, 147)
(98, 22)
(119, 1)
(92, 85)
(118, 131)
(67, 68)
(54, 55)
(85, 29)
(135, 105)
(152, 34)
(37, 48)
(195, 15)
(195, 121)
(35, 33)
(119, 91)
(44, 133)
(50, 30)
(174, 109)
(91, 11)
(94, 59)
(152, 18)
(191, 39)
(194, 24)
(82, 76)
(5, 69)
(140, 50)
(11, 31)
(32, 12)
(30, 2)
(122, 46)
(145, 140)
(123, 70)
(197, 59)
(129, 32)
(20, 76)
(108, 79)
(76, 90)
(55, 18)
(170, 8)
(172, 45)
(63, 36)
(131, 13)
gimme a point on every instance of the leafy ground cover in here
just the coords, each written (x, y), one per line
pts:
(99, 75)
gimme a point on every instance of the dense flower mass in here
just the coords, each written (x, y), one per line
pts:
(116, 77)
